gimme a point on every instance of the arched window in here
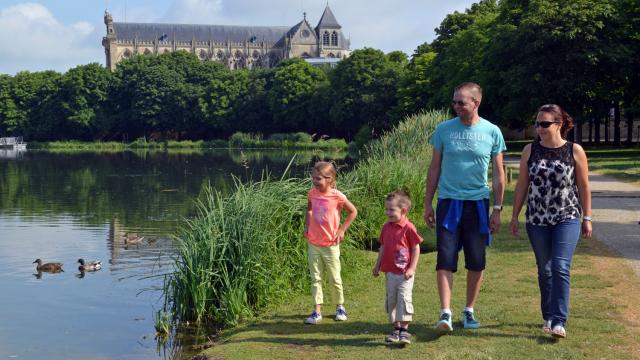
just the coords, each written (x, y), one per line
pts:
(127, 54)
(334, 39)
(147, 51)
(167, 51)
(305, 55)
(325, 38)
(331, 55)
(220, 55)
(256, 54)
(203, 55)
(239, 55)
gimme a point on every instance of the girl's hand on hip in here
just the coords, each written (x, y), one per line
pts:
(587, 229)
(339, 237)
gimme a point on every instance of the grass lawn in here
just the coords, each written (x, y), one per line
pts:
(603, 320)
(621, 163)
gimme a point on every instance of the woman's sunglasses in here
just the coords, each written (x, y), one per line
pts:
(545, 124)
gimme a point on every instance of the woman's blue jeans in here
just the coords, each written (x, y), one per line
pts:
(554, 247)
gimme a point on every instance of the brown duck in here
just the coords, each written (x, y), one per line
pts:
(132, 239)
(48, 267)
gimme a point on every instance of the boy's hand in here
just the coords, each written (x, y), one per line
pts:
(376, 271)
(409, 273)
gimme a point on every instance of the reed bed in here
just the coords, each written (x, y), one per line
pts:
(245, 250)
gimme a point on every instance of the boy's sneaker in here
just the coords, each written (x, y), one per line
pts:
(444, 323)
(313, 319)
(469, 321)
(405, 337)
(394, 337)
(341, 313)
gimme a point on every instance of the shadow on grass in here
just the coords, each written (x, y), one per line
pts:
(357, 334)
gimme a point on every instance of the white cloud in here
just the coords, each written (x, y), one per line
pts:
(31, 38)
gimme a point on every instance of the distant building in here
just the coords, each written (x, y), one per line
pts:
(238, 47)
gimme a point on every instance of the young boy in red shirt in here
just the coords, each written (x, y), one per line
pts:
(398, 258)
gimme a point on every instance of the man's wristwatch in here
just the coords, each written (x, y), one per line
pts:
(497, 207)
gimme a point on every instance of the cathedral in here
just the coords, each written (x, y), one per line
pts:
(238, 47)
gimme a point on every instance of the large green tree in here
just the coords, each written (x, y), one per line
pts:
(546, 51)
(294, 83)
(365, 92)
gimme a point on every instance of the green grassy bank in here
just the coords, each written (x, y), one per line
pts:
(239, 140)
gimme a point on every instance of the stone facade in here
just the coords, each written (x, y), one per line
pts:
(238, 47)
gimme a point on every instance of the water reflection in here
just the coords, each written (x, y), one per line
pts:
(65, 206)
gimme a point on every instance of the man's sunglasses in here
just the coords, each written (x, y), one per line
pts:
(545, 124)
(459, 103)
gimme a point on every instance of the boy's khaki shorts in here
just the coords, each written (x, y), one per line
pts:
(399, 304)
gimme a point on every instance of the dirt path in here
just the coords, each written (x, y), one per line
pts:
(616, 215)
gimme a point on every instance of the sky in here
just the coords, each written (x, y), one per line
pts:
(60, 34)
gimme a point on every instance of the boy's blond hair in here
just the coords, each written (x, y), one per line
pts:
(401, 198)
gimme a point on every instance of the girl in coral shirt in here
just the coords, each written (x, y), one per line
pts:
(324, 234)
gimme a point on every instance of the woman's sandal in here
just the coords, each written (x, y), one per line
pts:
(559, 332)
(547, 327)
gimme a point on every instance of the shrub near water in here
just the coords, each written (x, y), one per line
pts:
(246, 250)
(241, 252)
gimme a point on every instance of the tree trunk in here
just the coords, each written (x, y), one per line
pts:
(578, 132)
(606, 129)
(629, 116)
(597, 132)
(616, 123)
(590, 130)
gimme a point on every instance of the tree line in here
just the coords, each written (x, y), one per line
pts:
(581, 54)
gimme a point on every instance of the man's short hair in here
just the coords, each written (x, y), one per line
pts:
(473, 88)
(401, 198)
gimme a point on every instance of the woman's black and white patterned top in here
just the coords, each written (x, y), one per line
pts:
(553, 194)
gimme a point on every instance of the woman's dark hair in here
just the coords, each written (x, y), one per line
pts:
(559, 115)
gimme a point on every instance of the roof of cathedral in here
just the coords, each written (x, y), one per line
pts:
(188, 32)
(328, 20)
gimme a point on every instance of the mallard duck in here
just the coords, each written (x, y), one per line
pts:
(48, 267)
(133, 239)
(89, 265)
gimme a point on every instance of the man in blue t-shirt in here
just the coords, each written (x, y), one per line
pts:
(463, 147)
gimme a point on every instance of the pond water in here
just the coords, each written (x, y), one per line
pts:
(60, 207)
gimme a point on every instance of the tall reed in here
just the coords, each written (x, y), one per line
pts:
(245, 250)
(397, 160)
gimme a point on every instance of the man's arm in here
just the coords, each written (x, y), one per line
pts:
(498, 191)
(433, 176)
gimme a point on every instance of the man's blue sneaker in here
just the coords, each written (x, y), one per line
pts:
(444, 323)
(469, 321)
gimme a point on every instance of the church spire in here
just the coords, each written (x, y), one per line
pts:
(328, 20)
